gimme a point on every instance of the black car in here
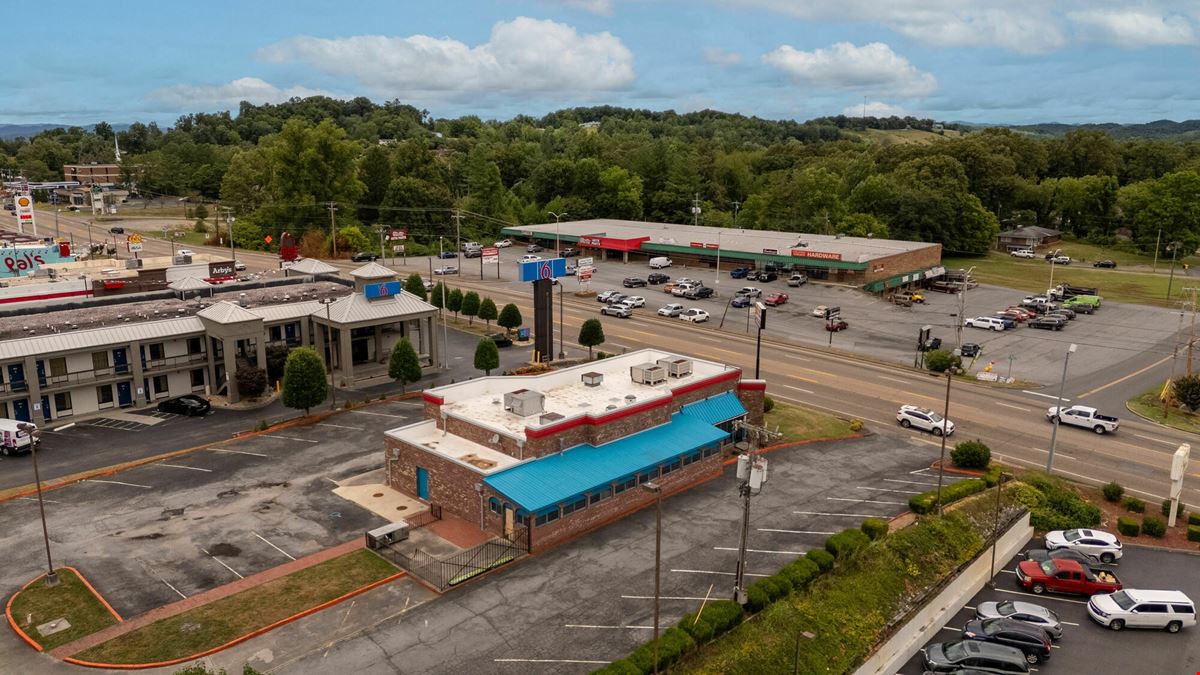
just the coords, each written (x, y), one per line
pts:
(1041, 555)
(500, 339)
(932, 344)
(534, 248)
(188, 404)
(568, 253)
(116, 230)
(1105, 263)
(363, 256)
(633, 282)
(947, 657)
(699, 293)
(766, 276)
(970, 350)
(1048, 323)
(447, 255)
(657, 278)
(1031, 640)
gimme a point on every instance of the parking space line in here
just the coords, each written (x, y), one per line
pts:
(585, 625)
(376, 414)
(661, 597)
(757, 550)
(726, 574)
(290, 438)
(952, 630)
(222, 563)
(177, 591)
(31, 499)
(769, 529)
(918, 471)
(340, 426)
(117, 482)
(264, 539)
(906, 492)
(180, 466)
(910, 482)
(865, 501)
(597, 663)
(843, 515)
(1047, 597)
(239, 452)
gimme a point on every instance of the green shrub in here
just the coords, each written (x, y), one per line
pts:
(1154, 526)
(1128, 527)
(926, 502)
(1063, 508)
(971, 455)
(992, 476)
(619, 667)
(856, 425)
(823, 559)
(700, 629)
(1187, 391)
(1166, 508)
(1112, 491)
(801, 572)
(673, 644)
(875, 528)
(940, 360)
(1026, 495)
(1135, 505)
(758, 596)
(1193, 533)
(768, 404)
(1194, 519)
(723, 615)
(846, 543)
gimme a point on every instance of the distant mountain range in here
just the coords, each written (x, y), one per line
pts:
(10, 131)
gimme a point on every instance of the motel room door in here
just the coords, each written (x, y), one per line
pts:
(423, 483)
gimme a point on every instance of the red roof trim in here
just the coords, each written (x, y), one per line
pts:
(43, 296)
(752, 386)
(723, 377)
(430, 398)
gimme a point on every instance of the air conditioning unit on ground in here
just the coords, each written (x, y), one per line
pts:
(387, 535)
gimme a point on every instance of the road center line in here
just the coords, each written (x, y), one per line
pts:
(1036, 393)
(239, 452)
(1119, 380)
(1156, 440)
(117, 482)
(289, 555)
(894, 379)
(180, 466)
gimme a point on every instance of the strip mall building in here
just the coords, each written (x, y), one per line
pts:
(553, 455)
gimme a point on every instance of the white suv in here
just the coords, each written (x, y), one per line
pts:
(673, 309)
(1097, 544)
(927, 420)
(1023, 253)
(989, 322)
(1134, 608)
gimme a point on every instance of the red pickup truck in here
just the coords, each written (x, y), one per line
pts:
(1065, 576)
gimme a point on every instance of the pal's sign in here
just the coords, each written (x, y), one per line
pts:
(20, 261)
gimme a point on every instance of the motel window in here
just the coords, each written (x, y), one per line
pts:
(62, 402)
(99, 360)
(104, 395)
(160, 385)
(195, 345)
(197, 375)
(58, 367)
(601, 495)
(623, 485)
(157, 352)
(276, 333)
(494, 505)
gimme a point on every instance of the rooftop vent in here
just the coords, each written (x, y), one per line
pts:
(629, 399)
(648, 373)
(592, 379)
(524, 402)
(677, 367)
(547, 418)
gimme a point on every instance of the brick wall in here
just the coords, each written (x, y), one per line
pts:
(752, 400)
(924, 258)
(451, 485)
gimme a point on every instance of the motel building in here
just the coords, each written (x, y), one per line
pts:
(550, 456)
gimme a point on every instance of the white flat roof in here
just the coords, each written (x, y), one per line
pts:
(481, 401)
(477, 457)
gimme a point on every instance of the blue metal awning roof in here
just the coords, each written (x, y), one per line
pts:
(554, 478)
(716, 409)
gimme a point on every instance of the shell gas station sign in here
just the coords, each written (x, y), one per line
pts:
(24, 204)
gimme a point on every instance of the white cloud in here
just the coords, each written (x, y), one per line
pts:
(230, 94)
(601, 7)
(1132, 29)
(719, 57)
(522, 55)
(872, 67)
(875, 109)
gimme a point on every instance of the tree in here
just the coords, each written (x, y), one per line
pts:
(416, 285)
(276, 361)
(351, 238)
(403, 364)
(251, 382)
(510, 318)
(375, 171)
(438, 297)
(454, 301)
(591, 333)
(201, 212)
(470, 306)
(304, 383)
(487, 356)
(487, 311)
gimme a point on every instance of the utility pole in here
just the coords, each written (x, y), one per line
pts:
(332, 227)
(1174, 356)
(753, 473)
(696, 209)
(1157, 241)
(1173, 247)
(457, 230)
(1192, 337)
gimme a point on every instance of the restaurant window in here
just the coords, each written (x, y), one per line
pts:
(601, 495)
(494, 505)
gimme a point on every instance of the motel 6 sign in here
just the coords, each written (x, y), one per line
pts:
(543, 269)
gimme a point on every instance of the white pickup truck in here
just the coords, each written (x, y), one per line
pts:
(1082, 416)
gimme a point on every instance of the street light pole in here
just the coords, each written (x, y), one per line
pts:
(1173, 247)
(445, 330)
(51, 575)
(945, 423)
(329, 345)
(996, 527)
(1058, 409)
(655, 488)
(557, 232)
(56, 212)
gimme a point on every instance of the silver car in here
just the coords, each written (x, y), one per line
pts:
(1098, 544)
(1025, 612)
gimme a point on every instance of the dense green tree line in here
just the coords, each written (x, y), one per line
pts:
(280, 166)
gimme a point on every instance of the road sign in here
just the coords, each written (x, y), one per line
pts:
(397, 248)
(584, 262)
(491, 256)
(585, 275)
(760, 315)
(397, 235)
(543, 269)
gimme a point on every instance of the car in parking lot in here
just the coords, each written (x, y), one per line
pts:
(615, 298)
(917, 417)
(447, 255)
(501, 339)
(985, 322)
(529, 257)
(682, 288)
(750, 291)
(739, 272)
(698, 293)
(1009, 322)
(619, 310)
(1048, 323)
(239, 266)
(1023, 253)
(1040, 554)
(1060, 260)
(819, 310)
(502, 243)
(1032, 641)
(603, 296)
(694, 315)
(776, 299)
(1027, 313)
(634, 301)
(1134, 608)
(1025, 612)
(945, 657)
(633, 282)
(473, 252)
(1017, 317)
(741, 301)
(1097, 544)
(766, 276)
(1065, 312)
(568, 253)
(447, 269)
(111, 230)
(836, 325)
(1065, 576)
(655, 278)
(797, 280)
(1106, 264)
(534, 248)
(671, 310)
(188, 404)
(364, 256)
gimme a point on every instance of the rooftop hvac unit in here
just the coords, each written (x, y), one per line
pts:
(677, 367)
(648, 373)
(132, 264)
(524, 402)
(592, 379)
(387, 535)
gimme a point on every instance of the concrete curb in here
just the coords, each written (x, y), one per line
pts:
(79, 575)
(1158, 423)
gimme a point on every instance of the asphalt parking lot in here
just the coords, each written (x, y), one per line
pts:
(154, 534)
(1086, 647)
(1116, 334)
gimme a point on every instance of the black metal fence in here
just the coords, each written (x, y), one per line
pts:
(444, 573)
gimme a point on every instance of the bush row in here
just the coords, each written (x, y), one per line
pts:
(1128, 527)
(1193, 533)
(1134, 505)
(1055, 506)
(927, 502)
(1194, 519)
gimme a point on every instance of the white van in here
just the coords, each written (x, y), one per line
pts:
(13, 439)
(660, 262)
(1170, 610)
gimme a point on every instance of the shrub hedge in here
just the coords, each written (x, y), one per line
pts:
(1128, 527)
(1154, 526)
(1166, 508)
(846, 543)
(992, 476)
(672, 645)
(1135, 505)
(926, 502)
(823, 559)
(875, 528)
(1193, 533)
(1113, 491)
(768, 404)
(801, 572)
(971, 455)
(1194, 519)
(1062, 509)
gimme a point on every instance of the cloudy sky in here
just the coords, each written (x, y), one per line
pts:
(1011, 61)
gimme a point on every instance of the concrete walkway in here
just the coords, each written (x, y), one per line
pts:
(205, 598)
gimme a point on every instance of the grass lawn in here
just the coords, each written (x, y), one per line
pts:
(71, 600)
(1033, 276)
(804, 424)
(217, 623)
(1147, 404)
